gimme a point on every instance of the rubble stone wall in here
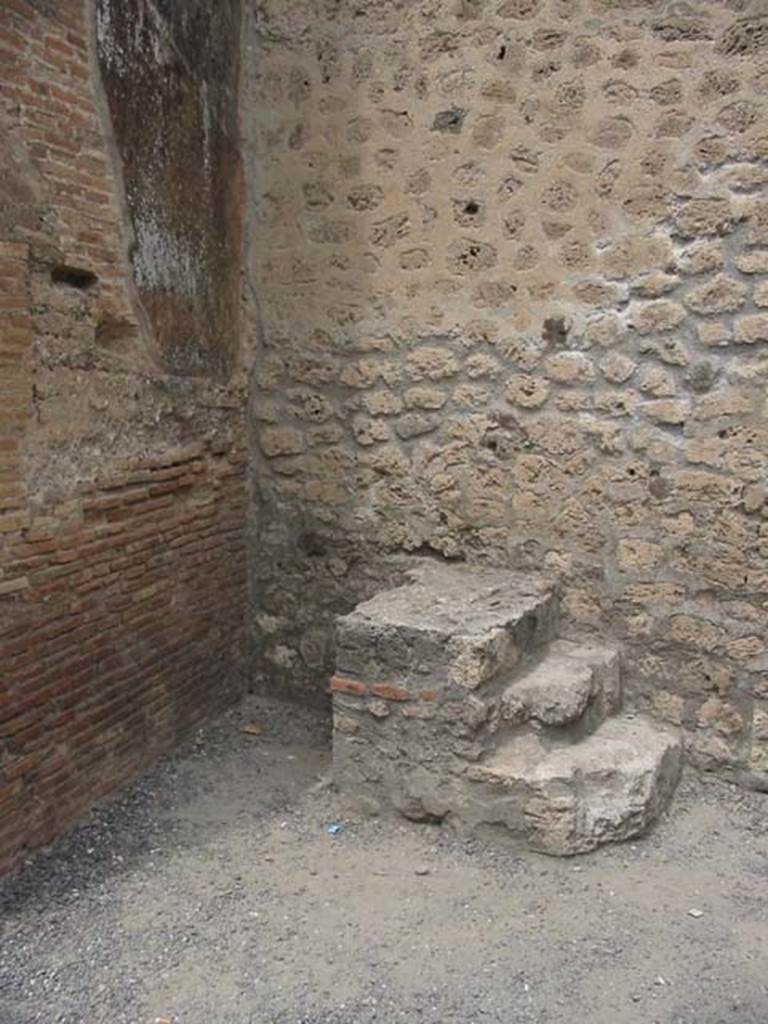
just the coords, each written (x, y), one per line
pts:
(511, 263)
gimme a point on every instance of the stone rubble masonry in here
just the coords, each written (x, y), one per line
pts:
(122, 487)
(511, 278)
(487, 719)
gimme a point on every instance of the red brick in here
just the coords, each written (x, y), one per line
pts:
(389, 692)
(341, 685)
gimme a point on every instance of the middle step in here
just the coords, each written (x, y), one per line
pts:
(575, 686)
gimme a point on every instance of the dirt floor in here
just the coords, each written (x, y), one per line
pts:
(211, 892)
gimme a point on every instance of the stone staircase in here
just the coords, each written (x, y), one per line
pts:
(455, 699)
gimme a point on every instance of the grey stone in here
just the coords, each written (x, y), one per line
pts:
(606, 788)
(449, 120)
(557, 693)
(450, 626)
(571, 679)
(414, 424)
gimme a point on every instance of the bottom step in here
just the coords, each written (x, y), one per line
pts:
(608, 787)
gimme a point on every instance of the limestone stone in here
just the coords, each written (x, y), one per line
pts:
(654, 285)
(639, 555)
(617, 368)
(757, 220)
(431, 363)
(711, 215)
(607, 788)
(528, 392)
(569, 368)
(748, 330)
(480, 364)
(382, 403)
(424, 398)
(281, 441)
(415, 424)
(469, 255)
(721, 716)
(659, 315)
(755, 497)
(368, 431)
(657, 381)
(701, 258)
(604, 331)
(714, 334)
(753, 262)
(671, 413)
(722, 294)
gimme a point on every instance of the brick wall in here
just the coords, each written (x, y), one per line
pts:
(121, 630)
(122, 486)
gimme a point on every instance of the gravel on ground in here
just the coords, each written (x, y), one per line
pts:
(211, 891)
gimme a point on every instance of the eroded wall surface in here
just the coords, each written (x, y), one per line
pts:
(122, 562)
(512, 273)
(170, 73)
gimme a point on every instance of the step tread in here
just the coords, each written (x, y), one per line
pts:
(455, 601)
(558, 690)
(589, 651)
(451, 628)
(624, 745)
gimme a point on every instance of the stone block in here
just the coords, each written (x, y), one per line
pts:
(607, 788)
(749, 330)
(450, 629)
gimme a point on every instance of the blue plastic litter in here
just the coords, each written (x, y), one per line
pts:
(335, 828)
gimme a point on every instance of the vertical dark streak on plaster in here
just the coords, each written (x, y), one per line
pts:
(171, 79)
(146, 334)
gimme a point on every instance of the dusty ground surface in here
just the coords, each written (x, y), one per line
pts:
(211, 891)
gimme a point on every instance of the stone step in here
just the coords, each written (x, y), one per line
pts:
(449, 629)
(608, 787)
(575, 685)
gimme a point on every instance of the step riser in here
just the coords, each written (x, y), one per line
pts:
(506, 730)
(557, 816)
(559, 717)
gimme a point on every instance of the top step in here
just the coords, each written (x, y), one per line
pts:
(449, 626)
